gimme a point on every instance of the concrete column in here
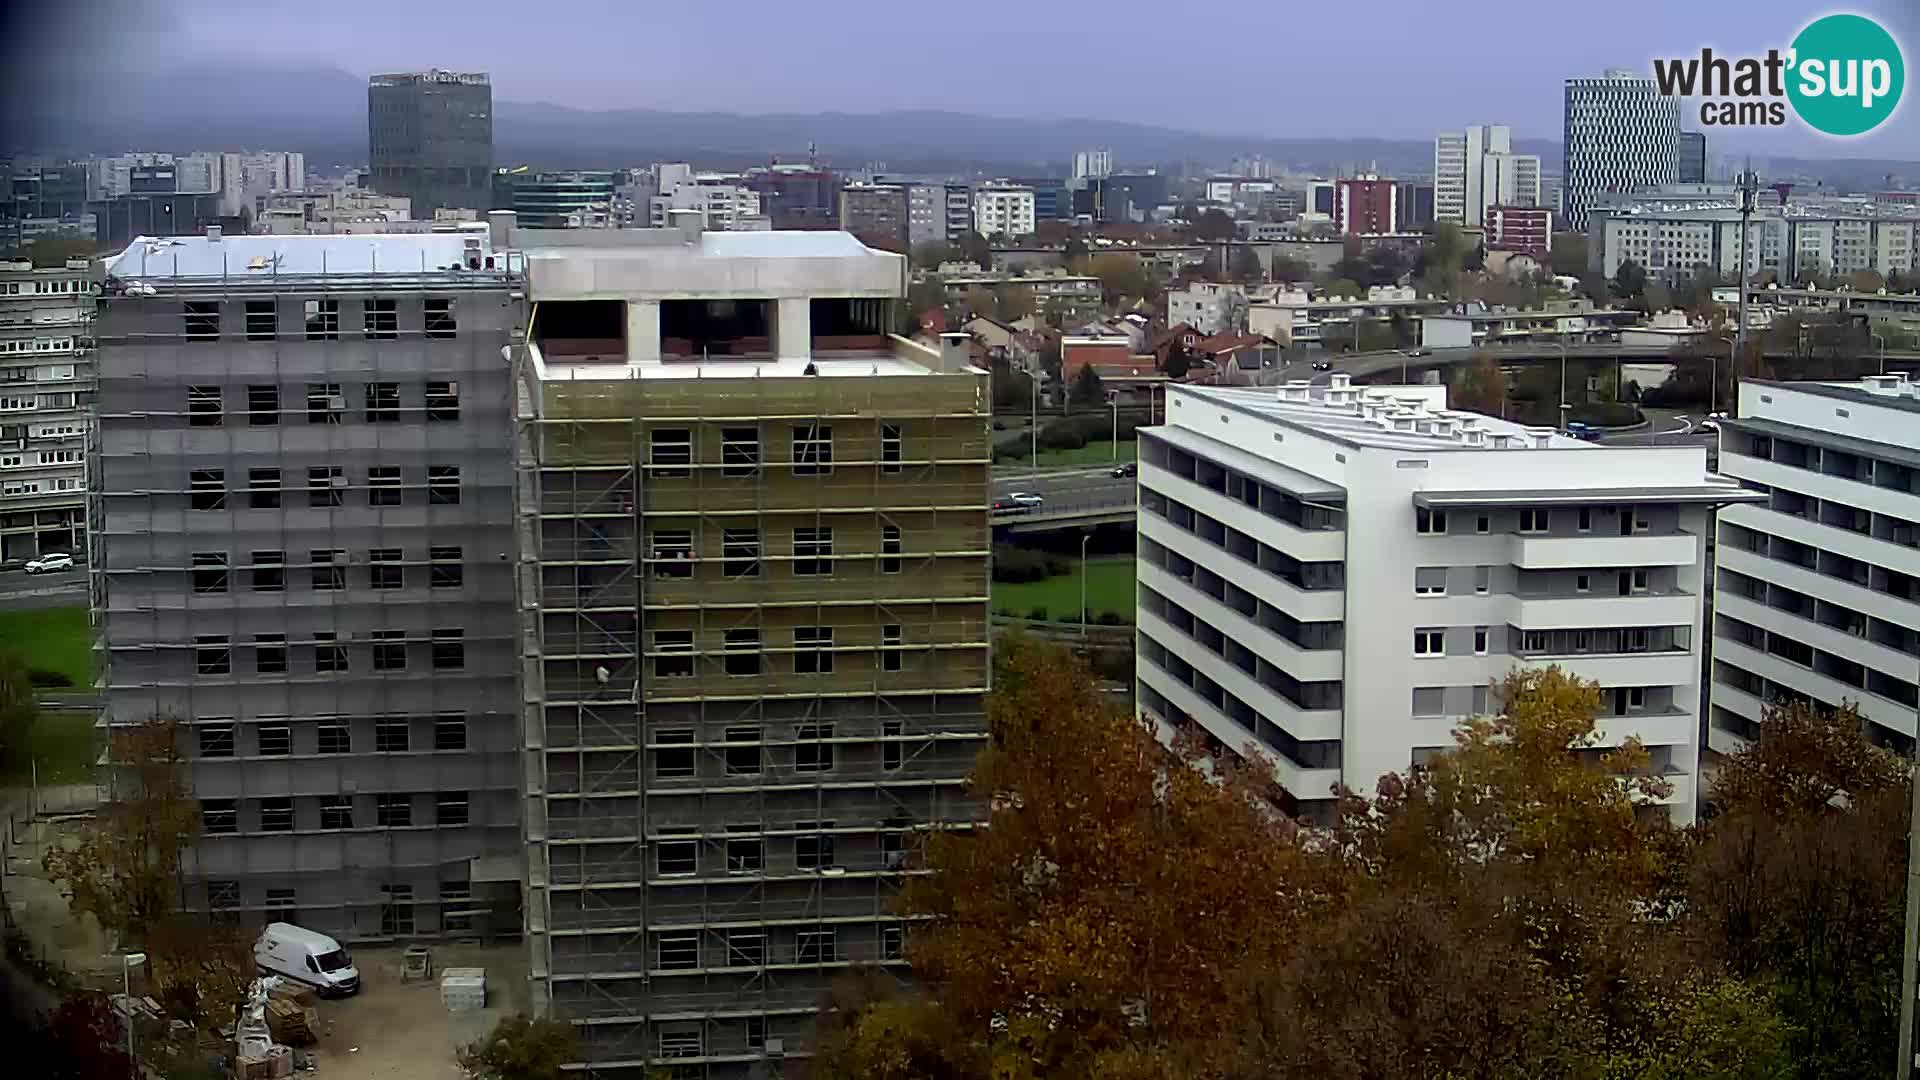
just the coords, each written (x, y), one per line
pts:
(643, 331)
(793, 328)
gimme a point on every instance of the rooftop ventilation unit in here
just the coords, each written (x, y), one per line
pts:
(1885, 385)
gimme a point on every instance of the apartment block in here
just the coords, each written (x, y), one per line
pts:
(1817, 588)
(1003, 210)
(752, 586)
(302, 541)
(1831, 241)
(1334, 575)
(1477, 168)
(46, 390)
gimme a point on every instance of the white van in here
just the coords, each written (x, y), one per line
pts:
(308, 957)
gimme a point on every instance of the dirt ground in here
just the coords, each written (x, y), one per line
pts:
(399, 1031)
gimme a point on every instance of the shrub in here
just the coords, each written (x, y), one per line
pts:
(42, 678)
(1016, 565)
(1111, 618)
(1605, 414)
(1037, 614)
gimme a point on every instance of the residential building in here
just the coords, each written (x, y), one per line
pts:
(161, 213)
(430, 137)
(1366, 206)
(877, 213)
(1795, 241)
(46, 368)
(1620, 134)
(1336, 574)
(1415, 203)
(1052, 198)
(1693, 157)
(1477, 168)
(926, 215)
(1003, 210)
(1209, 307)
(1526, 229)
(563, 200)
(1297, 316)
(303, 550)
(1072, 296)
(753, 597)
(1092, 164)
(725, 204)
(1817, 594)
(42, 198)
(959, 212)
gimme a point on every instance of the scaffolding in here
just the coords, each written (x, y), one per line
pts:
(754, 622)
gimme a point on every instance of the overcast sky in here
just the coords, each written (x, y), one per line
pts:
(1393, 68)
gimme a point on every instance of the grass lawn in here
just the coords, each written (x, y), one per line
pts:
(1094, 453)
(63, 745)
(57, 639)
(1109, 588)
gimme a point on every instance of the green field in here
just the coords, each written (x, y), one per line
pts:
(57, 639)
(62, 744)
(1109, 588)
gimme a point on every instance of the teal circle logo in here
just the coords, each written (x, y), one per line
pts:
(1846, 75)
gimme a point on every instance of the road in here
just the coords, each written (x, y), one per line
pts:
(1067, 485)
(19, 589)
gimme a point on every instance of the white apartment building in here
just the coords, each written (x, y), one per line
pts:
(1477, 168)
(1336, 573)
(1817, 594)
(725, 204)
(1621, 134)
(1210, 307)
(243, 180)
(46, 390)
(1003, 210)
(1792, 242)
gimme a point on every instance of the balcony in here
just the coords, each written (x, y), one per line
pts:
(1674, 667)
(1596, 611)
(1601, 550)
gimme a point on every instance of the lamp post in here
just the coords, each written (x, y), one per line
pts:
(126, 984)
(1883, 350)
(1033, 422)
(1562, 336)
(1113, 399)
(1084, 537)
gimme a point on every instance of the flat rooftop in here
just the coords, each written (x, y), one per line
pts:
(1329, 412)
(200, 259)
(862, 367)
(1858, 393)
(576, 264)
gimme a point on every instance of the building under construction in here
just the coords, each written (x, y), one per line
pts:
(753, 545)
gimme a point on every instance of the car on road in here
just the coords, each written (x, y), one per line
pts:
(1024, 498)
(1583, 432)
(1418, 352)
(48, 564)
(1129, 469)
(1006, 506)
(1322, 365)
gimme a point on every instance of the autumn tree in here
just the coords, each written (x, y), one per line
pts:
(522, 1048)
(1290, 270)
(1086, 390)
(1121, 275)
(79, 1040)
(1213, 224)
(1480, 386)
(1567, 254)
(975, 249)
(1629, 280)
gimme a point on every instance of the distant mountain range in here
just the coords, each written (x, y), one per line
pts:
(322, 111)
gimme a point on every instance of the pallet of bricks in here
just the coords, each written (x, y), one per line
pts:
(291, 1016)
(462, 989)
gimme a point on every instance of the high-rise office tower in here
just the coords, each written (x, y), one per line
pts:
(430, 138)
(1477, 168)
(302, 552)
(1621, 134)
(1693, 157)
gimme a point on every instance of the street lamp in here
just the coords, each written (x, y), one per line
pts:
(1113, 399)
(1033, 423)
(1084, 537)
(126, 983)
(1883, 350)
(1562, 336)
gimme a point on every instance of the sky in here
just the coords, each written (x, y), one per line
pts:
(1274, 68)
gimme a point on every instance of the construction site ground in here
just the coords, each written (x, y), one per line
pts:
(392, 1030)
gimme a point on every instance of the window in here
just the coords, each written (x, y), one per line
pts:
(208, 489)
(893, 943)
(263, 489)
(813, 850)
(389, 650)
(1483, 524)
(440, 322)
(336, 811)
(811, 753)
(209, 572)
(676, 858)
(743, 760)
(1639, 640)
(812, 552)
(1582, 583)
(215, 740)
(685, 1043)
(1637, 581)
(673, 654)
(219, 817)
(276, 815)
(325, 404)
(445, 570)
(384, 570)
(1585, 523)
(812, 653)
(328, 656)
(203, 406)
(1482, 579)
(672, 452)
(455, 898)
(450, 732)
(890, 547)
(383, 485)
(1633, 521)
(201, 319)
(1479, 641)
(1535, 520)
(679, 952)
(1429, 642)
(274, 740)
(814, 946)
(269, 571)
(892, 750)
(443, 401)
(443, 485)
(223, 896)
(1430, 581)
(390, 734)
(893, 850)
(890, 641)
(383, 403)
(1636, 697)
(211, 654)
(1429, 522)
(450, 808)
(672, 553)
(756, 1032)
(745, 854)
(812, 450)
(742, 651)
(673, 755)
(324, 485)
(740, 552)
(263, 405)
(381, 319)
(739, 451)
(334, 737)
(889, 448)
(260, 320)
(393, 810)
(270, 654)
(746, 948)
(449, 649)
(323, 320)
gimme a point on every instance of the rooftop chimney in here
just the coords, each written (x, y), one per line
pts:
(956, 352)
(691, 224)
(1339, 380)
(1884, 385)
(213, 234)
(500, 229)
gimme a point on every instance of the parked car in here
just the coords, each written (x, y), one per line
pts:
(48, 564)
(1025, 498)
(1129, 469)
(306, 956)
(1583, 432)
